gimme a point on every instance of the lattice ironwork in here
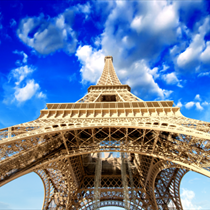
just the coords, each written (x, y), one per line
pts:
(97, 182)
(61, 146)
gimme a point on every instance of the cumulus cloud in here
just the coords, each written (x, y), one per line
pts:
(165, 15)
(187, 197)
(26, 93)
(188, 59)
(172, 79)
(137, 23)
(205, 103)
(197, 97)
(21, 73)
(141, 32)
(25, 56)
(154, 73)
(194, 54)
(48, 35)
(92, 63)
(41, 95)
(21, 87)
(189, 105)
(140, 77)
(164, 68)
(166, 94)
(198, 106)
(204, 74)
(179, 104)
(137, 40)
(84, 8)
(204, 57)
(134, 39)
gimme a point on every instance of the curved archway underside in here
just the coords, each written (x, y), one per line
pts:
(62, 155)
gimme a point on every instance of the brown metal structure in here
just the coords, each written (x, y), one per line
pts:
(158, 145)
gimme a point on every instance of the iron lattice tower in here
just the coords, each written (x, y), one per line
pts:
(158, 145)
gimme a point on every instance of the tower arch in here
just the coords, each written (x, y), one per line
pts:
(61, 146)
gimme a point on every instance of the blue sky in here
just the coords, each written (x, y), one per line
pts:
(52, 51)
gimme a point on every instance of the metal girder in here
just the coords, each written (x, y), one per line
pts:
(124, 182)
(97, 182)
(161, 143)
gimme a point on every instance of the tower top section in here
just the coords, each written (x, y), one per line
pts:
(109, 76)
(108, 57)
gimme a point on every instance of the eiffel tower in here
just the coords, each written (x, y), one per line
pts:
(110, 148)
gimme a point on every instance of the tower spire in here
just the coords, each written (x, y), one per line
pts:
(109, 88)
(109, 76)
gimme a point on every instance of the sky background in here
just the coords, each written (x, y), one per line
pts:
(52, 51)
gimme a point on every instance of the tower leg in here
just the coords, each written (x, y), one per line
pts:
(124, 181)
(133, 196)
(97, 183)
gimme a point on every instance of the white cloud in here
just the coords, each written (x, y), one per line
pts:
(167, 18)
(204, 57)
(92, 63)
(41, 95)
(154, 73)
(164, 68)
(47, 35)
(50, 35)
(158, 16)
(192, 56)
(137, 23)
(142, 33)
(25, 56)
(171, 79)
(139, 76)
(188, 59)
(166, 93)
(133, 41)
(198, 106)
(142, 79)
(20, 86)
(21, 73)
(189, 105)
(187, 197)
(205, 103)
(197, 97)
(84, 8)
(27, 92)
(97, 41)
(179, 104)
(204, 74)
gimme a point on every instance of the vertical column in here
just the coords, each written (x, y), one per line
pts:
(124, 181)
(133, 197)
(97, 183)
(9, 132)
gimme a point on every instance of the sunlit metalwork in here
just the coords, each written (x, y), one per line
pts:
(61, 146)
